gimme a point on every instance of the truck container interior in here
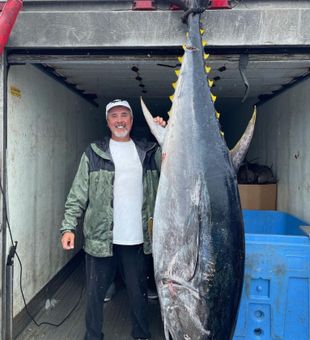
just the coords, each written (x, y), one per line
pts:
(56, 106)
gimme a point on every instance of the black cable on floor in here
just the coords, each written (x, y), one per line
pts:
(21, 271)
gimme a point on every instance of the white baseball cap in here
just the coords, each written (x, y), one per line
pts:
(117, 102)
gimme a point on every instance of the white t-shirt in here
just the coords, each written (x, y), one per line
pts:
(128, 194)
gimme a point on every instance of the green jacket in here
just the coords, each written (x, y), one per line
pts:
(92, 192)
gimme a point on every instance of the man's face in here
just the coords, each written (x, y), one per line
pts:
(120, 123)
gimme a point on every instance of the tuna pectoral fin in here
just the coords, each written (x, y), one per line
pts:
(186, 259)
(238, 153)
(158, 131)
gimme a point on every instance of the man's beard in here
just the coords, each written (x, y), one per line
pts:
(120, 134)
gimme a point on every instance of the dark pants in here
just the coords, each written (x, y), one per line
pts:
(100, 273)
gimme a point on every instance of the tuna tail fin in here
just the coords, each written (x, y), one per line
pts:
(158, 131)
(186, 4)
(238, 153)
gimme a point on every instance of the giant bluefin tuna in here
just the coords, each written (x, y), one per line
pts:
(198, 235)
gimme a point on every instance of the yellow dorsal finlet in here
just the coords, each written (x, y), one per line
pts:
(210, 82)
(207, 69)
(222, 133)
(171, 97)
(204, 43)
(213, 97)
(174, 85)
(202, 31)
(177, 72)
(217, 115)
(180, 59)
(206, 56)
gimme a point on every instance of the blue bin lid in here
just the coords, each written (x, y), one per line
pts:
(272, 222)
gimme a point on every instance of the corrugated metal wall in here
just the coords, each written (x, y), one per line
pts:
(48, 129)
(281, 140)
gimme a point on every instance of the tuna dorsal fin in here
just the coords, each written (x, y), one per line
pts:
(158, 131)
(238, 153)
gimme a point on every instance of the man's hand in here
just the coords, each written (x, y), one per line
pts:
(160, 121)
(67, 240)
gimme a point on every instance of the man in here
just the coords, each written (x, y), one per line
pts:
(115, 185)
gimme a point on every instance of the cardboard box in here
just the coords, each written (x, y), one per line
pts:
(258, 196)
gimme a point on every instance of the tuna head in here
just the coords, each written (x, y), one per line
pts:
(184, 312)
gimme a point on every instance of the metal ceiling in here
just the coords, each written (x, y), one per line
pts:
(151, 76)
(130, 76)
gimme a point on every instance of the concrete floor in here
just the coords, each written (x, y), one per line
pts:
(117, 323)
